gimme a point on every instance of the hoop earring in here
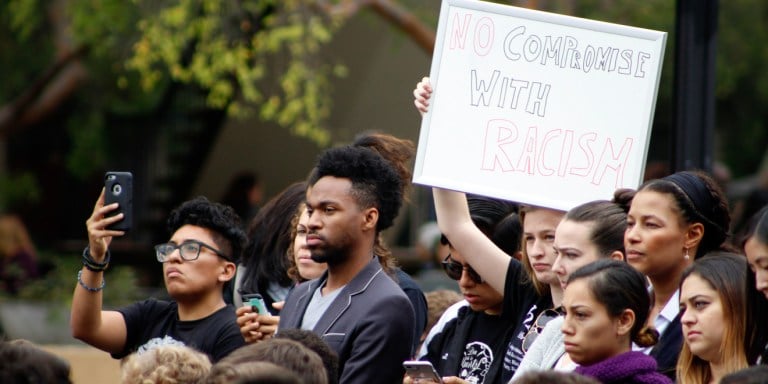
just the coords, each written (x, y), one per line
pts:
(686, 254)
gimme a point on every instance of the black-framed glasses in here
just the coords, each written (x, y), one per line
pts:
(454, 270)
(541, 320)
(188, 250)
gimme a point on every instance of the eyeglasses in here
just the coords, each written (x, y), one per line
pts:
(454, 270)
(188, 250)
(544, 317)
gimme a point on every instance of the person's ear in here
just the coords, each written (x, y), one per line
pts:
(617, 255)
(518, 255)
(624, 322)
(227, 271)
(693, 235)
(370, 218)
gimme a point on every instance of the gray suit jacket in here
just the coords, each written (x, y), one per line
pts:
(369, 325)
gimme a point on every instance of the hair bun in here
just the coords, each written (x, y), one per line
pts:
(647, 337)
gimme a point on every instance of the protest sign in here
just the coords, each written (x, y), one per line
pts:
(535, 107)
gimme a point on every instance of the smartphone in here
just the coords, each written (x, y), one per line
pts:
(118, 188)
(421, 370)
(256, 302)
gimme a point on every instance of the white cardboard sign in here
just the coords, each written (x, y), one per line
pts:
(535, 107)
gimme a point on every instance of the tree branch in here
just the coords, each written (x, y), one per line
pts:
(391, 11)
(424, 37)
(45, 93)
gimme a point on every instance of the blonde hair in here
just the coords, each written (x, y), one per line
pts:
(167, 364)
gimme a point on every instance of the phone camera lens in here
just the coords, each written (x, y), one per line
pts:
(117, 189)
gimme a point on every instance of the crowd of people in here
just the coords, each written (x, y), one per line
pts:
(650, 287)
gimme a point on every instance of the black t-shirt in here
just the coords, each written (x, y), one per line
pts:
(523, 304)
(485, 340)
(152, 323)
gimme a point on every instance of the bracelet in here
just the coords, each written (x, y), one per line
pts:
(91, 264)
(90, 289)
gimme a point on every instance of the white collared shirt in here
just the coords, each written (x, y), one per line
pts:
(663, 319)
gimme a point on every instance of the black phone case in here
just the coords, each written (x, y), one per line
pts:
(118, 188)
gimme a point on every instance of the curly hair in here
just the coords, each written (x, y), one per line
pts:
(218, 218)
(398, 152)
(374, 181)
(167, 364)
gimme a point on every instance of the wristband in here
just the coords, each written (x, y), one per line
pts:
(91, 264)
(90, 289)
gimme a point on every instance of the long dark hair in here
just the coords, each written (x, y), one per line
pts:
(756, 338)
(269, 238)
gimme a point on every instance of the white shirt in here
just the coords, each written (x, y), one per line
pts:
(663, 319)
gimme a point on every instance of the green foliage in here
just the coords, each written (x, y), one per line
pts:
(18, 189)
(88, 153)
(232, 49)
(58, 285)
(24, 17)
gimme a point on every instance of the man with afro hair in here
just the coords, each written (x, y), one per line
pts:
(199, 258)
(355, 306)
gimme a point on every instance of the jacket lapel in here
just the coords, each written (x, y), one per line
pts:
(304, 292)
(343, 301)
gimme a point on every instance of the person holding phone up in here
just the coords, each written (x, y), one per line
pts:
(200, 256)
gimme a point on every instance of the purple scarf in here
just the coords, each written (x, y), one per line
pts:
(629, 367)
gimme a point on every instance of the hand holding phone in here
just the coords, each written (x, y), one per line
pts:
(256, 302)
(421, 371)
(118, 188)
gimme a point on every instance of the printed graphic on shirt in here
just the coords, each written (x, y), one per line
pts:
(475, 363)
(515, 354)
(157, 342)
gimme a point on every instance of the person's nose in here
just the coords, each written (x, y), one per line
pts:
(687, 318)
(761, 280)
(466, 281)
(537, 249)
(314, 221)
(557, 266)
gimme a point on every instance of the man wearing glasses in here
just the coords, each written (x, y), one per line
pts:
(206, 240)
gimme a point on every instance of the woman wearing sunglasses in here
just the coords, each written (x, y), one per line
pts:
(472, 335)
(529, 286)
(587, 233)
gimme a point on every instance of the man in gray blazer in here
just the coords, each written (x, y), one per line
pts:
(355, 306)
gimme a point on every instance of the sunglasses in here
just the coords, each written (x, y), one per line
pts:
(544, 317)
(454, 270)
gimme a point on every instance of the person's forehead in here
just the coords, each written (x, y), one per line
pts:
(192, 232)
(330, 188)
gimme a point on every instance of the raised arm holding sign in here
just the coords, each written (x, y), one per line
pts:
(539, 108)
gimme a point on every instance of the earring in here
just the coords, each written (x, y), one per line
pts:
(686, 254)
